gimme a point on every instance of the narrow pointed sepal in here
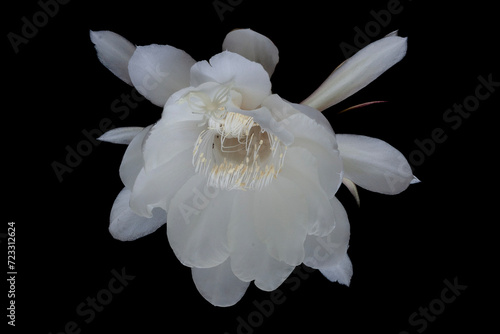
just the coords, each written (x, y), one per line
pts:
(358, 71)
(352, 189)
(121, 135)
(415, 180)
(340, 272)
(114, 52)
(361, 106)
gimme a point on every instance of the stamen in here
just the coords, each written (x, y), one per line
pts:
(233, 151)
(237, 154)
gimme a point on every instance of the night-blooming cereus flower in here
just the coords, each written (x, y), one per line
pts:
(244, 180)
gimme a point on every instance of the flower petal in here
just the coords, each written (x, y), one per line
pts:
(249, 258)
(247, 77)
(268, 123)
(272, 117)
(114, 52)
(315, 115)
(158, 71)
(120, 135)
(327, 251)
(321, 142)
(253, 46)
(157, 187)
(340, 272)
(358, 71)
(198, 217)
(133, 161)
(218, 285)
(126, 225)
(373, 164)
(272, 273)
(166, 140)
(280, 210)
(301, 167)
(279, 108)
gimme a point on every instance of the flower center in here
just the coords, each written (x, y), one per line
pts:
(234, 152)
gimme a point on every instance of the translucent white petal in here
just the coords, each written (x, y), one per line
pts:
(340, 272)
(279, 108)
(114, 52)
(302, 126)
(179, 126)
(358, 71)
(198, 218)
(318, 140)
(315, 115)
(120, 135)
(157, 187)
(133, 161)
(249, 257)
(272, 117)
(265, 119)
(280, 210)
(415, 180)
(158, 71)
(126, 225)
(253, 46)
(305, 127)
(373, 164)
(272, 273)
(327, 251)
(247, 77)
(301, 167)
(218, 285)
(178, 108)
(167, 139)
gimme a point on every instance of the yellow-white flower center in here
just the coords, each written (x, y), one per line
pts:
(234, 152)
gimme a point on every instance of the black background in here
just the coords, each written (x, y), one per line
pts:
(402, 247)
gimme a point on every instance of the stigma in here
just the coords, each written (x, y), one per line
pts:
(233, 151)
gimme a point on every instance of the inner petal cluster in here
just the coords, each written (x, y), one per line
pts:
(233, 151)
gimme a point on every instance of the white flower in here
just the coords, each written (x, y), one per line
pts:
(245, 180)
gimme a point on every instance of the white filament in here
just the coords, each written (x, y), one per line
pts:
(233, 151)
